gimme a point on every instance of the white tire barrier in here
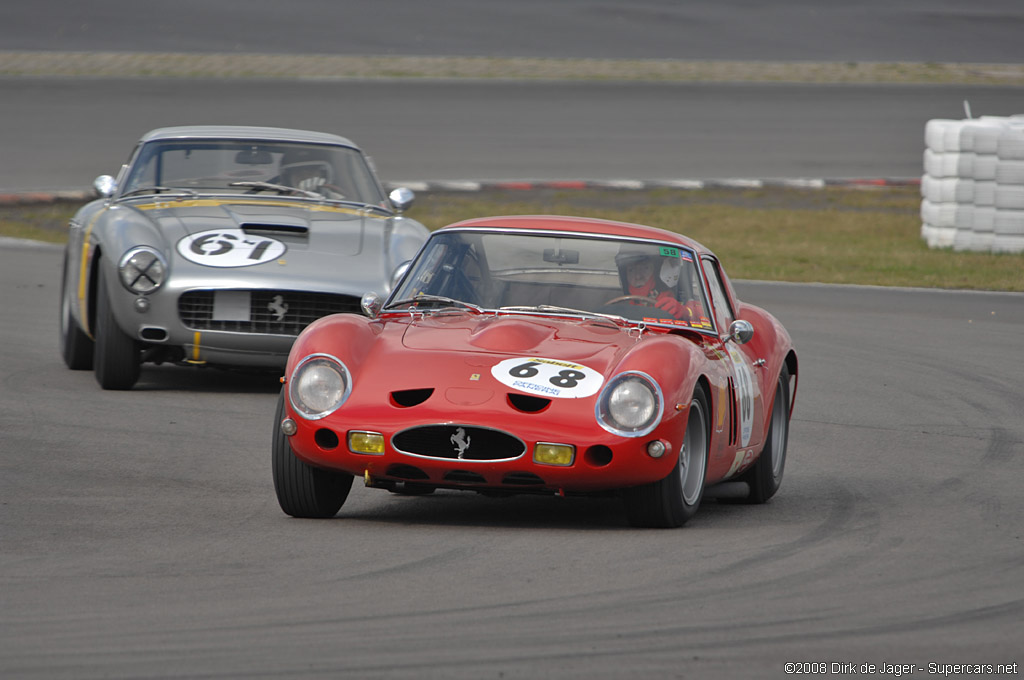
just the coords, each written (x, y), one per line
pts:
(1008, 231)
(984, 193)
(1009, 196)
(972, 189)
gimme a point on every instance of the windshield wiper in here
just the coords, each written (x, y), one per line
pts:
(359, 204)
(157, 190)
(279, 188)
(285, 189)
(419, 299)
(555, 309)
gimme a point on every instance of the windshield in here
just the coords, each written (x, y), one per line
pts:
(557, 273)
(240, 166)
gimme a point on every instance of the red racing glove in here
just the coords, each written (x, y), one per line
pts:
(670, 305)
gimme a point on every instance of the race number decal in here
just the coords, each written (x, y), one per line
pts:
(548, 377)
(744, 393)
(229, 248)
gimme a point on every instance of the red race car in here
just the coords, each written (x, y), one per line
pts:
(542, 354)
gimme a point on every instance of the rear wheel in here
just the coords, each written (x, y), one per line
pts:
(765, 476)
(672, 501)
(76, 348)
(303, 490)
(117, 357)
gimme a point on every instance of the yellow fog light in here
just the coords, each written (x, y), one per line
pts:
(366, 442)
(553, 454)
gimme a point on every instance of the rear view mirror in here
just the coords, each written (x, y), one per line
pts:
(559, 256)
(254, 156)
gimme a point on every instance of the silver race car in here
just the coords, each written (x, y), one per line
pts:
(217, 245)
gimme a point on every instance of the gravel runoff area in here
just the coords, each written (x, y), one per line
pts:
(232, 65)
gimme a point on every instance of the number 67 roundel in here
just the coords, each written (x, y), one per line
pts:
(229, 248)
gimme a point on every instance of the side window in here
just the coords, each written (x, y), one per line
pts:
(724, 313)
(144, 169)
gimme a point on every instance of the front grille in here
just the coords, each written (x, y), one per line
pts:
(459, 442)
(277, 312)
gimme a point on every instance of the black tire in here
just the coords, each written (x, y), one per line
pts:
(765, 476)
(76, 348)
(672, 501)
(117, 357)
(303, 490)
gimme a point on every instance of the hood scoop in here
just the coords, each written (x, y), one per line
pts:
(510, 335)
(256, 228)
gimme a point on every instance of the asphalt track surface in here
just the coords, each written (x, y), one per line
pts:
(61, 133)
(142, 538)
(139, 533)
(821, 30)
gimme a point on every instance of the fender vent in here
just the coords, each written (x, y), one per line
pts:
(732, 412)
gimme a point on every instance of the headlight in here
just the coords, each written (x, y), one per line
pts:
(319, 385)
(630, 405)
(142, 270)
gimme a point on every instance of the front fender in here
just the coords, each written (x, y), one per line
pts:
(123, 227)
(675, 363)
(773, 343)
(348, 337)
(405, 239)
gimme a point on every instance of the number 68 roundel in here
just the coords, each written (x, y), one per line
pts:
(548, 377)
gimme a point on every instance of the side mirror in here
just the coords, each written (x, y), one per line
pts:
(402, 198)
(740, 332)
(105, 186)
(371, 304)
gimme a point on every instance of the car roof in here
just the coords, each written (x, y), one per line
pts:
(245, 132)
(583, 225)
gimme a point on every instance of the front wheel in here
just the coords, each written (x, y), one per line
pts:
(76, 348)
(672, 501)
(117, 357)
(303, 490)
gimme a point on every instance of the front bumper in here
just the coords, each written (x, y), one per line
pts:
(601, 462)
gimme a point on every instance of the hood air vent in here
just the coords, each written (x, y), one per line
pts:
(527, 403)
(407, 398)
(282, 229)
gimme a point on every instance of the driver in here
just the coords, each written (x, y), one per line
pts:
(655, 277)
(309, 170)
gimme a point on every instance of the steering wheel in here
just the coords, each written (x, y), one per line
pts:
(638, 298)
